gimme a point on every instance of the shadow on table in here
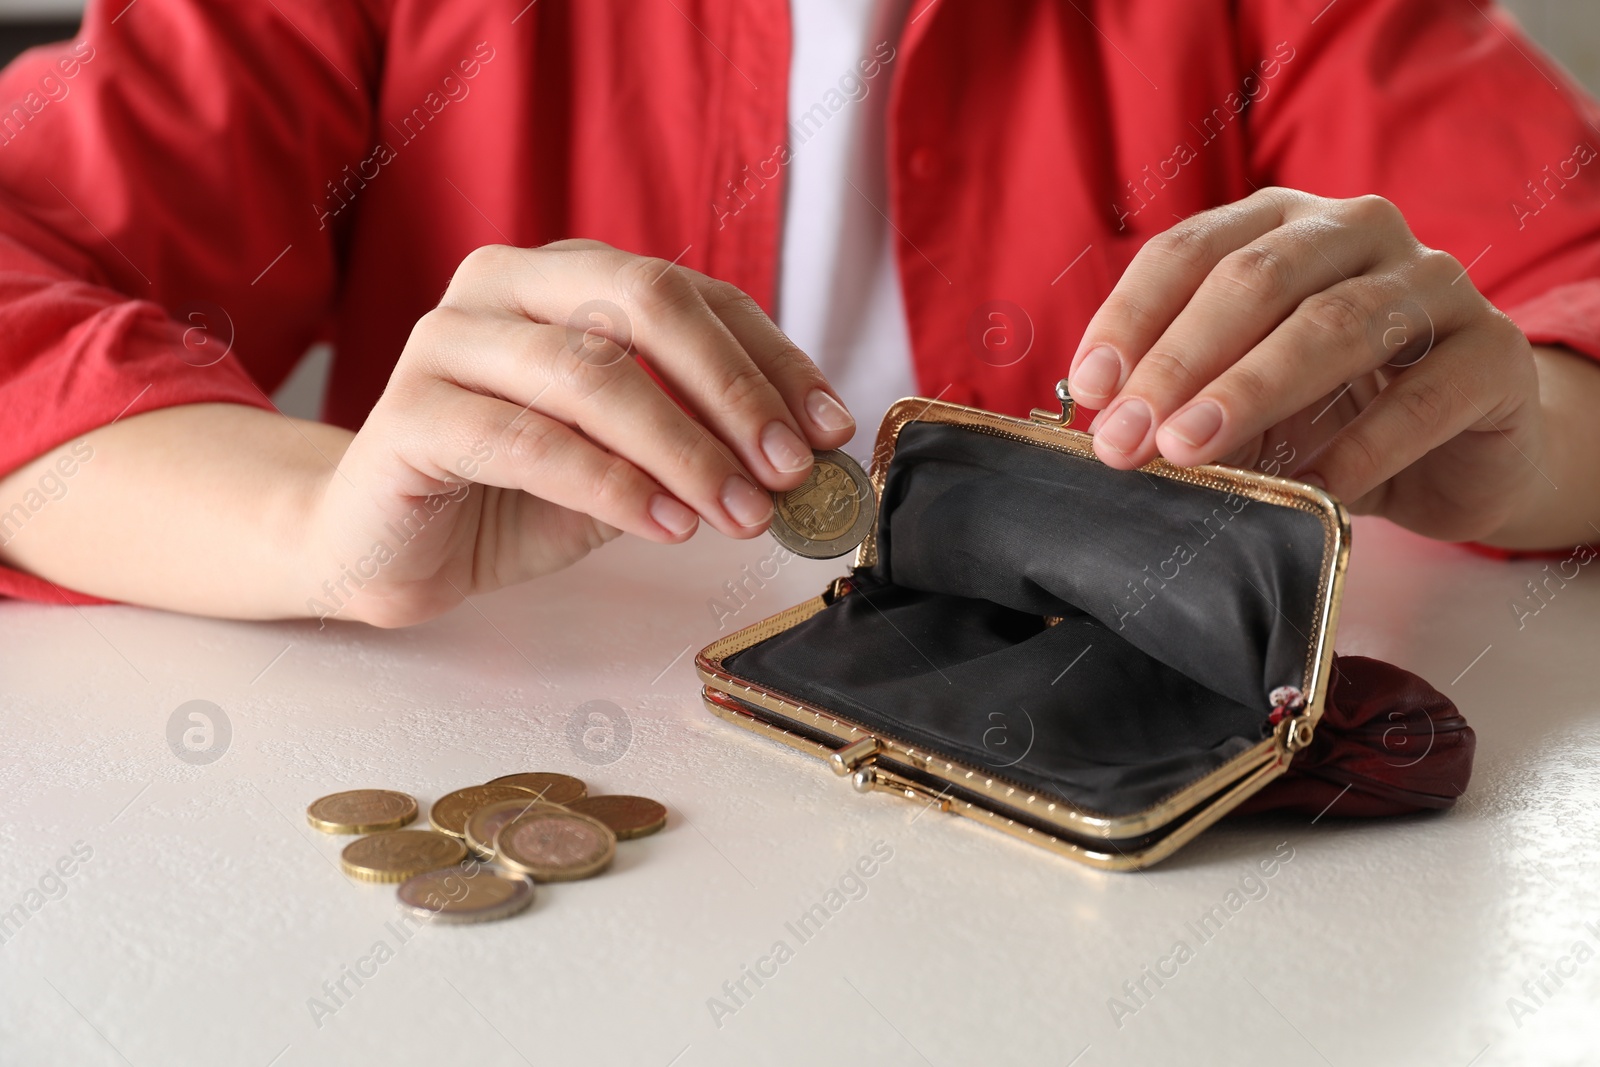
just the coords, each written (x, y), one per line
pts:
(1247, 838)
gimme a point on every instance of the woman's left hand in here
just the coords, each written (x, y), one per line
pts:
(1321, 336)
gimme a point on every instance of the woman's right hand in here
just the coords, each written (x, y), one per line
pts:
(519, 429)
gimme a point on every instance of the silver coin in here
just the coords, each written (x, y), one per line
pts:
(830, 513)
(469, 893)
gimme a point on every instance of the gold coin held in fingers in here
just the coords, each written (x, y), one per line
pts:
(450, 812)
(395, 855)
(546, 785)
(361, 811)
(828, 514)
(627, 816)
(470, 893)
(486, 822)
(555, 846)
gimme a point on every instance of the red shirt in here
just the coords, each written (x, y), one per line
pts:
(191, 174)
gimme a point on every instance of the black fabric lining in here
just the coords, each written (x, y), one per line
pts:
(1133, 695)
(1205, 581)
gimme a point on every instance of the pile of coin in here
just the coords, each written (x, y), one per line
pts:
(489, 843)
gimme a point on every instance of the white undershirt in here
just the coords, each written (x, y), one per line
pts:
(838, 290)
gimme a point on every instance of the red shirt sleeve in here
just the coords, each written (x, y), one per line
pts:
(1448, 109)
(161, 236)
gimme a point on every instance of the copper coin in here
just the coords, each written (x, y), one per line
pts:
(486, 822)
(555, 846)
(451, 811)
(547, 785)
(361, 811)
(395, 855)
(627, 816)
(470, 893)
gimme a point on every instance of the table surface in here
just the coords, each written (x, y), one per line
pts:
(202, 917)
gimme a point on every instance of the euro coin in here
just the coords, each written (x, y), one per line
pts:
(451, 811)
(555, 846)
(830, 513)
(546, 785)
(627, 817)
(395, 855)
(471, 893)
(486, 822)
(361, 811)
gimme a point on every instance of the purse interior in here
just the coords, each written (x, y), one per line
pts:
(1181, 608)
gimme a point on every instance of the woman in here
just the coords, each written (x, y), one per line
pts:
(1359, 240)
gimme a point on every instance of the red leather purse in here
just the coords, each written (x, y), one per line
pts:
(1388, 744)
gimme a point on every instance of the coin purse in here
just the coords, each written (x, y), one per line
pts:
(1101, 662)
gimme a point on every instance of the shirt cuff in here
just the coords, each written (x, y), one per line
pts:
(109, 363)
(1568, 315)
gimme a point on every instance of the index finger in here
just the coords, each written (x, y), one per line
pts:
(815, 404)
(647, 307)
(1163, 277)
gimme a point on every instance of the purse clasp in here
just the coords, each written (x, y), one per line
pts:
(847, 759)
(868, 779)
(1069, 408)
(856, 759)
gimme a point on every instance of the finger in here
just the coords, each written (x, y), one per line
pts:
(1420, 409)
(647, 306)
(605, 394)
(828, 423)
(456, 433)
(1249, 293)
(1162, 278)
(1331, 339)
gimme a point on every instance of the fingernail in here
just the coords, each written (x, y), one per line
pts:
(783, 449)
(1097, 375)
(1094, 423)
(1126, 425)
(1196, 424)
(827, 413)
(1311, 478)
(748, 505)
(671, 516)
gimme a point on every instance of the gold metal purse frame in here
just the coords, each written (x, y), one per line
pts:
(876, 761)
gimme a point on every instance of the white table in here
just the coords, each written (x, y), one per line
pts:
(209, 914)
